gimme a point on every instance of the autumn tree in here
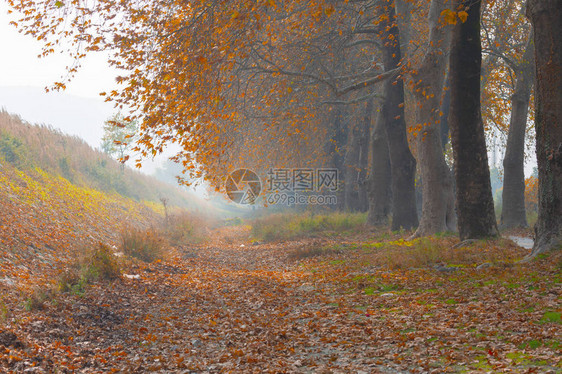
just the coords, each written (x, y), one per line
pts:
(507, 83)
(118, 136)
(546, 18)
(475, 205)
(438, 210)
(513, 197)
(402, 163)
(380, 192)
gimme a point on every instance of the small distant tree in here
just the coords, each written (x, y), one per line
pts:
(118, 137)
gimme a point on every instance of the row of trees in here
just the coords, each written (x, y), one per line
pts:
(329, 82)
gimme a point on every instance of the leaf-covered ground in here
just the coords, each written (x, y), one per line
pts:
(311, 306)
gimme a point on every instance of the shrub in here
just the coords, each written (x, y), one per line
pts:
(531, 194)
(101, 264)
(147, 245)
(13, 151)
(96, 265)
(71, 281)
(236, 221)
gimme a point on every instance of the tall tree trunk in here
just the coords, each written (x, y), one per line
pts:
(546, 17)
(380, 195)
(404, 21)
(513, 195)
(438, 211)
(356, 162)
(475, 205)
(403, 164)
(363, 165)
(351, 190)
(445, 108)
(337, 142)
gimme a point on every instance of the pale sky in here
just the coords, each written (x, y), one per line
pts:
(21, 67)
(79, 110)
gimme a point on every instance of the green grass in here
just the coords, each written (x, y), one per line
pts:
(370, 291)
(552, 317)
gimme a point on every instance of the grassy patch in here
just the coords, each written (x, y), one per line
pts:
(552, 317)
(531, 344)
(427, 251)
(236, 221)
(97, 264)
(370, 291)
(287, 226)
(3, 311)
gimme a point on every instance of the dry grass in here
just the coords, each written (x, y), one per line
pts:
(430, 251)
(97, 264)
(146, 245)
(287, 226)
(93, 265)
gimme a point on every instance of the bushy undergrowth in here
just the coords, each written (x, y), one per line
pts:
(146, 245)
(95, 265)
(99, 264)
(102, 264)
(285, 226)
(186, 228)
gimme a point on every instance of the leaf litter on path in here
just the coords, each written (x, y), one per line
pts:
(260, 309)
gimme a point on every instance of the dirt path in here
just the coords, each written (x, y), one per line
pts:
(253, 309)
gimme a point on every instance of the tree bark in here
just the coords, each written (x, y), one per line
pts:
(475, 205)
(513, 195)
(438, 211)
(356, 163)
(403, 164)
(338, 140)
(446, 109)
(546, 17)
(363, 164)
(380, 195)
(351, 161)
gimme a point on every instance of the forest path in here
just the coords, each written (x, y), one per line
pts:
(231, 306)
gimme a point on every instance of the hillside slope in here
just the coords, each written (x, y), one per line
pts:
(59, 196)
(26, 146)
